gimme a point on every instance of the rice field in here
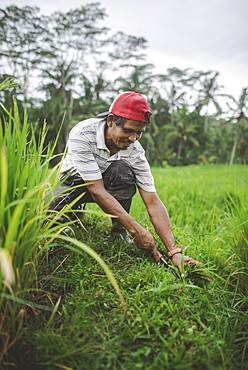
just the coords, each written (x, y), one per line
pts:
(168, 323)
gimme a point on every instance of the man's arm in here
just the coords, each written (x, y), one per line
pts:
(160, 219)
(142, 238)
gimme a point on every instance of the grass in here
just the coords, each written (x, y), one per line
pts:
(26, 232)
(169, 323)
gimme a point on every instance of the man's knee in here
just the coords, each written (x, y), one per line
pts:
(119, 180)
(67, 191)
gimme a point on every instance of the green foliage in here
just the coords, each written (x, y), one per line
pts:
(69, 66)
(26, 231)
(22, 216)
(170, 323)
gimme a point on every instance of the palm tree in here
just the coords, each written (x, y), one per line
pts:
(175, 99)
(154, 139)
(240, 120)
(139, 80)
(59, 92)
(208, 94)
(182, 132)
(173, 83)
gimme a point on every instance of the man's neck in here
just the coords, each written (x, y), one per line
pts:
(111, 147)
(110, 144)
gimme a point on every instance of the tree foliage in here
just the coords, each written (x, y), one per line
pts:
(69, 66)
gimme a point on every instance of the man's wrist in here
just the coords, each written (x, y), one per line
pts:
(174, 251)
(135, 229)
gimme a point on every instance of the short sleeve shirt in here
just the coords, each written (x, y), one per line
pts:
(88, 156)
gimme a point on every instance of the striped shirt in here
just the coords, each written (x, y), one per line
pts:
(88, 156)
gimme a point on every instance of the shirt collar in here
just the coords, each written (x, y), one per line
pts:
(100, 135)
(100, 140)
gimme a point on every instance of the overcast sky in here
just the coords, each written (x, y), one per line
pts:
(202, 34)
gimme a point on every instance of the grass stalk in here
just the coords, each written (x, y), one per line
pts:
(25, 176)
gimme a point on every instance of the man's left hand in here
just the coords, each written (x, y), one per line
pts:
(177, 261)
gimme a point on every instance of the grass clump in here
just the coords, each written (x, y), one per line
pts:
(26, 232)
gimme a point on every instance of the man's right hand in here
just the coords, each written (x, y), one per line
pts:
(144, 240)
(141, 237)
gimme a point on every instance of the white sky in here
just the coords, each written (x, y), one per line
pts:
(202, 34)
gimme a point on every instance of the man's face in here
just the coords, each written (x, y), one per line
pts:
(125, 134)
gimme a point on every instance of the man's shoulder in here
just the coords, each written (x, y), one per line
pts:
(138, 148)
(86, 126)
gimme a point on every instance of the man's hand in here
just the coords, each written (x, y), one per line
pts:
(177, 261)
(144, 240)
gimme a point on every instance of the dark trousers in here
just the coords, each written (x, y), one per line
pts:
(119, 180)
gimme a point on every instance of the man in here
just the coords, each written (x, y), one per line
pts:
(105, 155)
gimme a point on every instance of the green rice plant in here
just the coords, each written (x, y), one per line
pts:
(25, 229)
(8, 83)
(237, 239)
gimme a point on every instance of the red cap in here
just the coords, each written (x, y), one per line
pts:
(130, 105)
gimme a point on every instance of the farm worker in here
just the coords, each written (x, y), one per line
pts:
(104, 153)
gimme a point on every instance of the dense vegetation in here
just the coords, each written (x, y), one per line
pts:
(26, 231)
(70, 66)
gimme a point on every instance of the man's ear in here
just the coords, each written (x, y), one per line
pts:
(110, 121)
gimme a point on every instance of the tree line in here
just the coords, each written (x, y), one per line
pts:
(70, 66)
